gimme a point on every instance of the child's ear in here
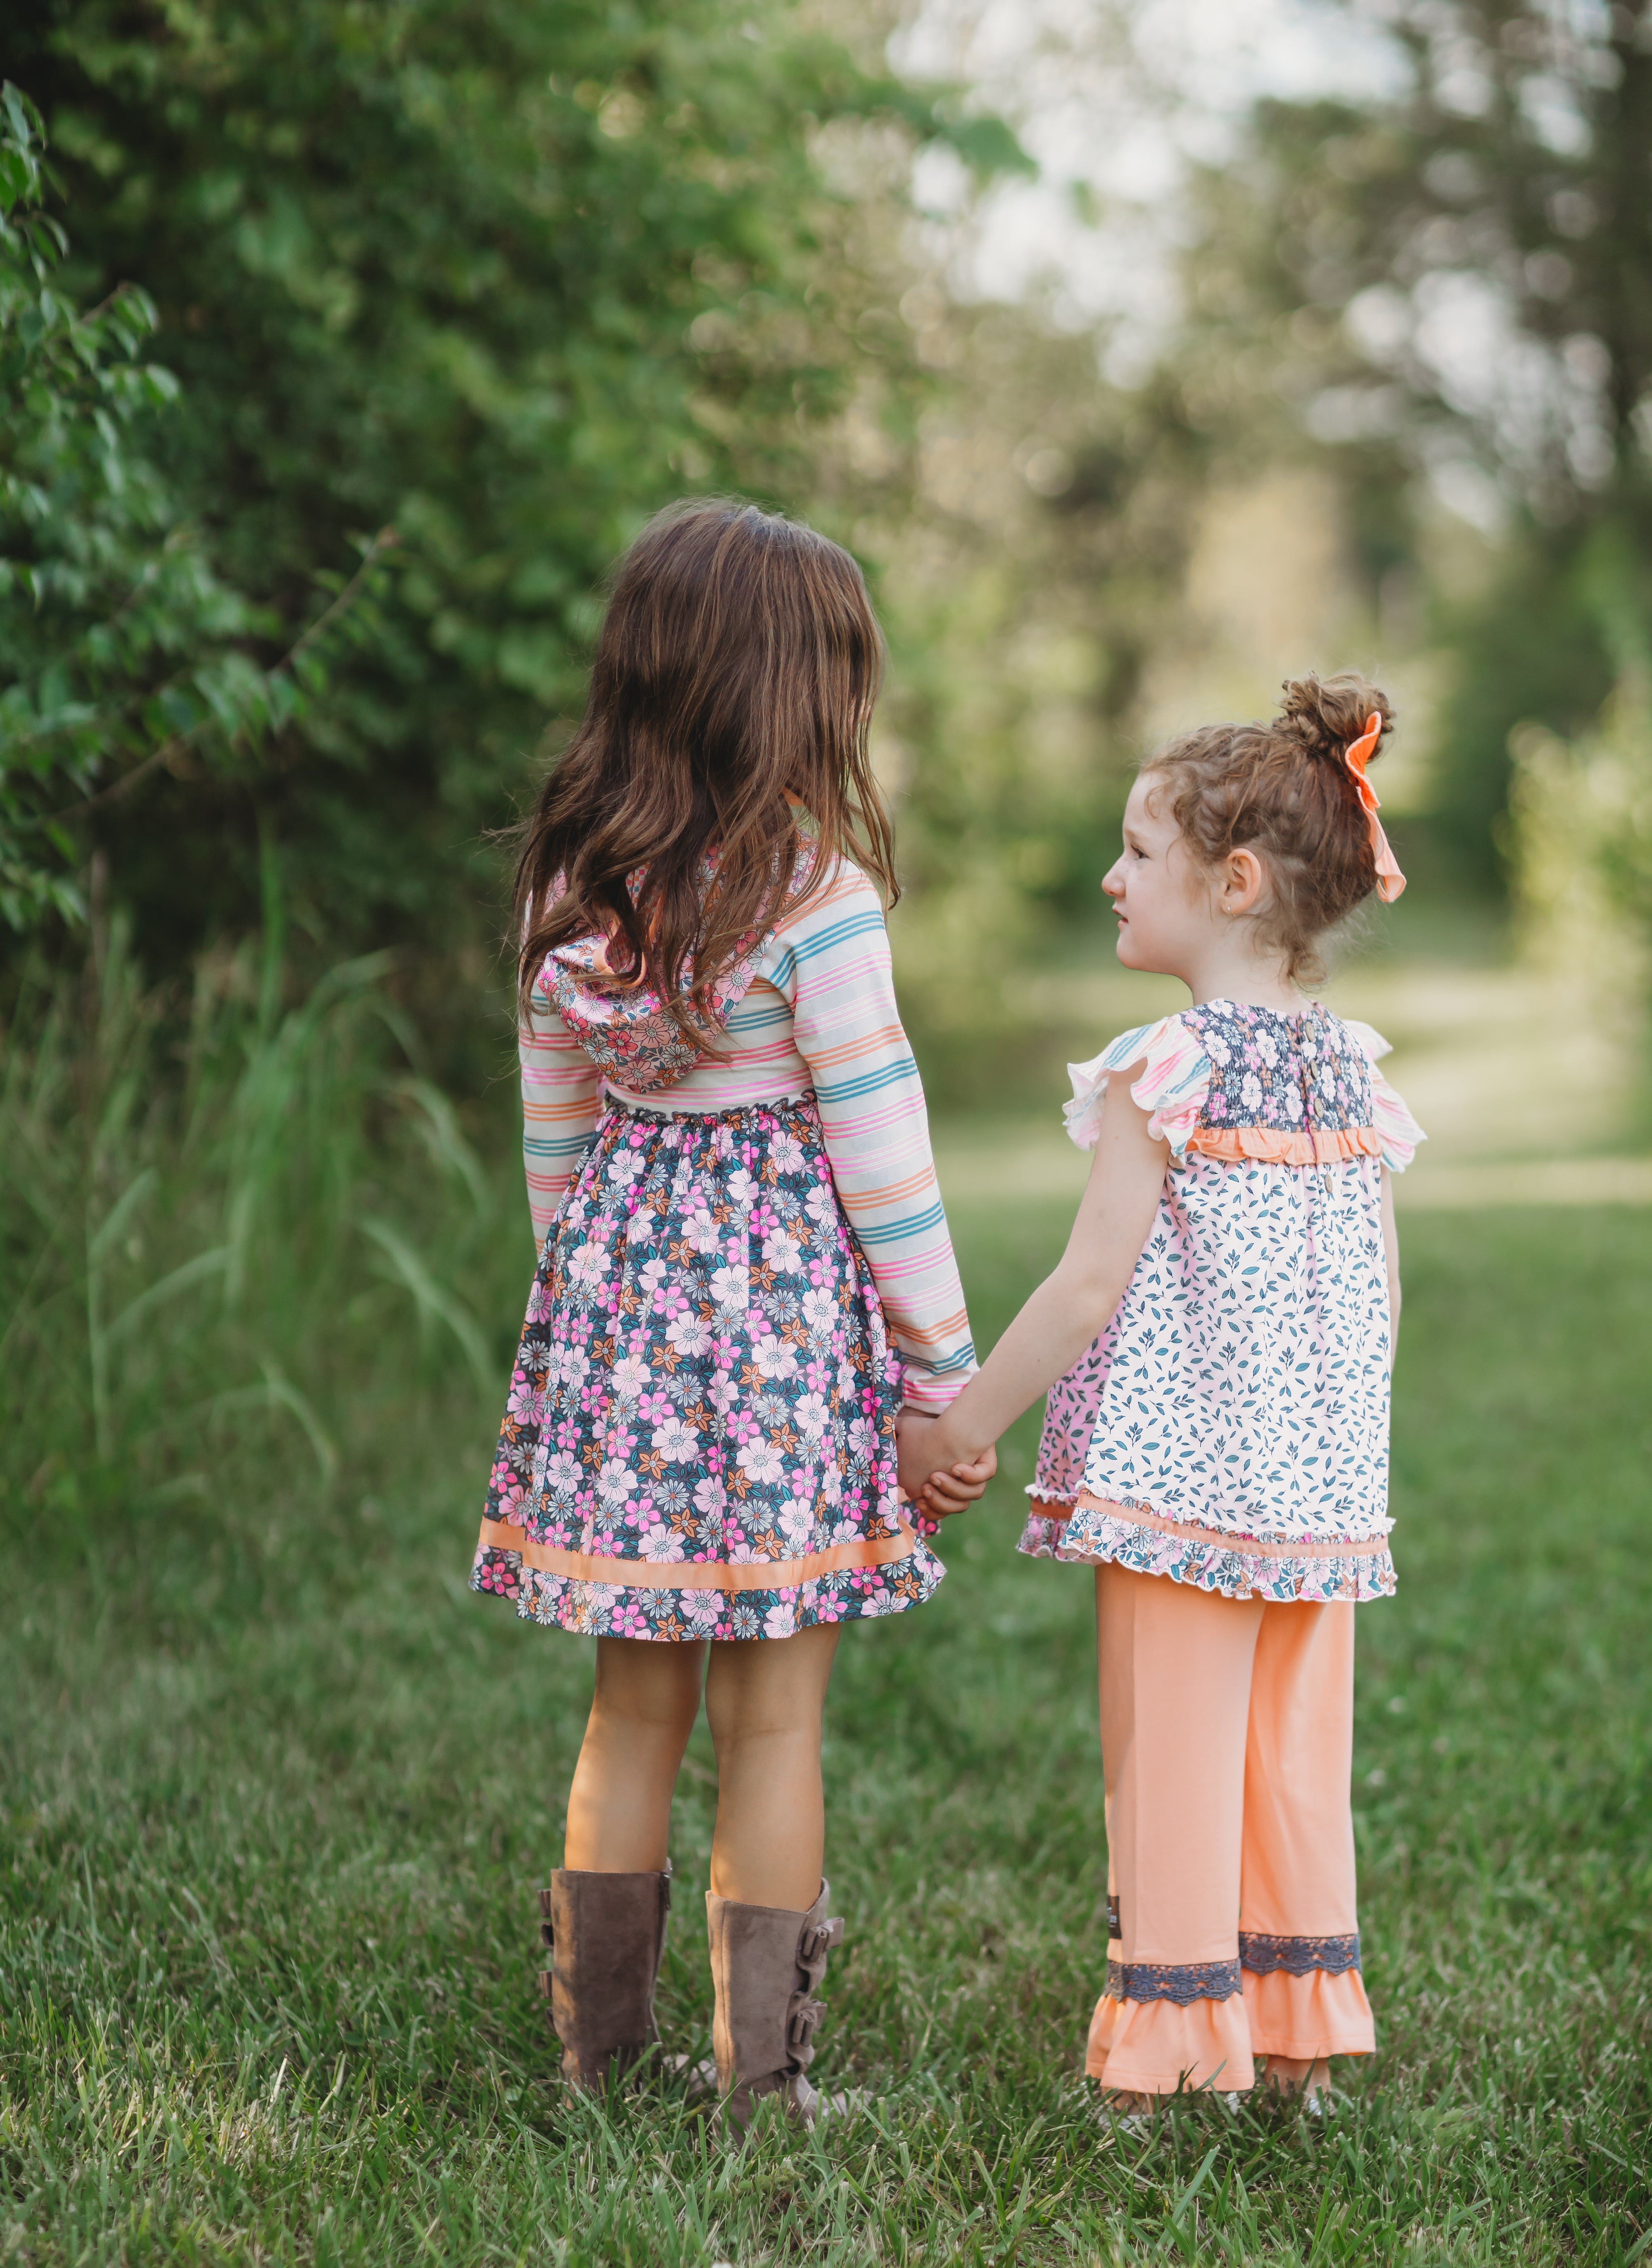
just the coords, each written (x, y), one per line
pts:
(1244, 881)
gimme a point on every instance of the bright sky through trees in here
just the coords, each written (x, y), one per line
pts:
(1113, 101)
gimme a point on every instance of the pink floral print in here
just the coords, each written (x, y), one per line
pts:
(703, 1381)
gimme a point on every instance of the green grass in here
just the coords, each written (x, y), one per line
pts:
(277, 1793)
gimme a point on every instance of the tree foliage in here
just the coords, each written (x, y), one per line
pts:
(1457, 282)
(504, 276)
(122, 649)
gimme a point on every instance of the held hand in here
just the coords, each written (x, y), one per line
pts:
(935, 1485)
(956, 1487)
(914, 1450)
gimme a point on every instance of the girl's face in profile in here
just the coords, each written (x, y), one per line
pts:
(1157, 891)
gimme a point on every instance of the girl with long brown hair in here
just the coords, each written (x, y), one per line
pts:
(744, 1279)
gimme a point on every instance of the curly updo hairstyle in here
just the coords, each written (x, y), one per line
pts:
(1284, 790)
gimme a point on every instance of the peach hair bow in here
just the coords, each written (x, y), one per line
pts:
(1390, 881)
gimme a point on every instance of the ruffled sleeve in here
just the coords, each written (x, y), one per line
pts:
(1171, 1089)
(1399, 1130)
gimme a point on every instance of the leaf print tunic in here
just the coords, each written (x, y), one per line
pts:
(1229, 1427)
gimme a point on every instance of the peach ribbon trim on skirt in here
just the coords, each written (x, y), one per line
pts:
(1297, 1547)
(698, 1574)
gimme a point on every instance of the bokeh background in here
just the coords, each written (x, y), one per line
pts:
(1144, 351)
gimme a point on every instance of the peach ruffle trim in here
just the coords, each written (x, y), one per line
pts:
(1318, 2014)
(1235, 1143)
(1189, 1531)
(1153, 2047)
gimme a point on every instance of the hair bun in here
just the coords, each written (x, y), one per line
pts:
(1327, 714)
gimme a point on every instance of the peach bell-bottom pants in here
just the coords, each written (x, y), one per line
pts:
(1227, 1738)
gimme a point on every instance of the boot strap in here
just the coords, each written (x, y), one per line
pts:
(824, 1938)
(801, 2018)
(547, 1939)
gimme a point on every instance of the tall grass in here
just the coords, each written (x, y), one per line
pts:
(243, 1238)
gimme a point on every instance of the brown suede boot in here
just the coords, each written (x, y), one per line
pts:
(766, 1962)
(605, 1934)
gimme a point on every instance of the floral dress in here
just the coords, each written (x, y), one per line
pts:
(1229, 1427)
(699, 1439)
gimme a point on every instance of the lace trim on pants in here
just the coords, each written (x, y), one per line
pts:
(1176, 1981)
(1297, 1957)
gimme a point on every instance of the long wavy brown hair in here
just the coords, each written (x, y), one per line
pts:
(734, 680)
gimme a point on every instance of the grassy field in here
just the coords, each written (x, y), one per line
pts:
(277, 1793)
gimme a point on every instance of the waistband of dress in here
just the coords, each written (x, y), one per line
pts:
(640, 1107)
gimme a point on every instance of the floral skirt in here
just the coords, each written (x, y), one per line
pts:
(700, 1437)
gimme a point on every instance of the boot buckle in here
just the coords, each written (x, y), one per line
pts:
(800, 2027)
(824, 1938)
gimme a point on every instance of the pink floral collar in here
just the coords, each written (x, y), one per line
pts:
(626, 1028)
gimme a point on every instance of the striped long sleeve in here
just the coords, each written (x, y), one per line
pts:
(561, 1101)
(831, 963)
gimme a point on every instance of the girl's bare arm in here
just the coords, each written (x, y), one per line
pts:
(1072, 1307)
